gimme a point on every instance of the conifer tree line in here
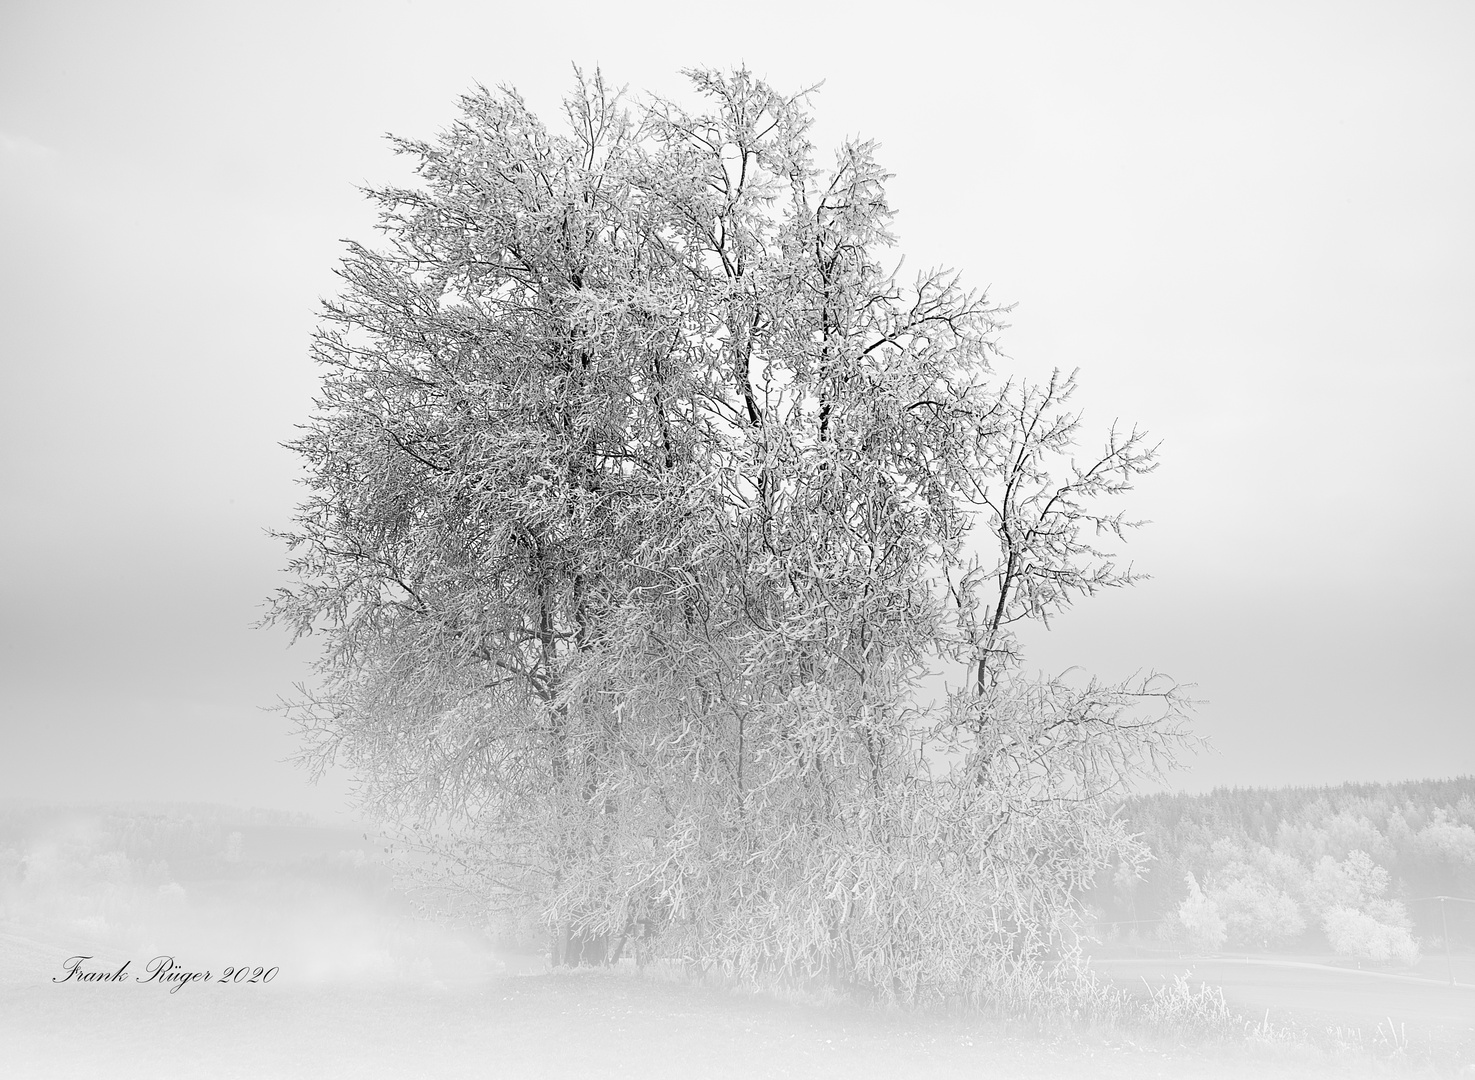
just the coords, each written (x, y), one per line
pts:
(643, 490)
(1354, 868)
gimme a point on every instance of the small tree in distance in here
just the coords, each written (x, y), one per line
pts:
(1197, 923)
(1257, 914)
(642, 495)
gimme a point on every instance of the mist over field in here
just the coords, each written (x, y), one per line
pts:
(214, 886)
(365, 980)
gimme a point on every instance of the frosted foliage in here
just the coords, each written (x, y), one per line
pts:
(1256, 913)
(1449, 840)
(1359, 935)
(1198, 924)
(642, 494)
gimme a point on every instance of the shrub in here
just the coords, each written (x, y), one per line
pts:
(1356, 934)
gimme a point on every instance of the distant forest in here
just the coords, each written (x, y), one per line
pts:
(1354, 868)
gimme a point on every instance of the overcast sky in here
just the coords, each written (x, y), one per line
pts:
(1250, 225)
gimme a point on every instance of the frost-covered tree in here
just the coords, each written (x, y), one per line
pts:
(1256, 913)
(1357, 917)
(642, 494)
(1357, 883)
(1197, 923)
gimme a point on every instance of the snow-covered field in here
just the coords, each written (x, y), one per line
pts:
(574, 1025)
(1419, 1010)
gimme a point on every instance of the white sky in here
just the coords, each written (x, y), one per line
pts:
(1250, 225)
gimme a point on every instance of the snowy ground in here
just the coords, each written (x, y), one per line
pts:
(545, 1026)
(455, 1013)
